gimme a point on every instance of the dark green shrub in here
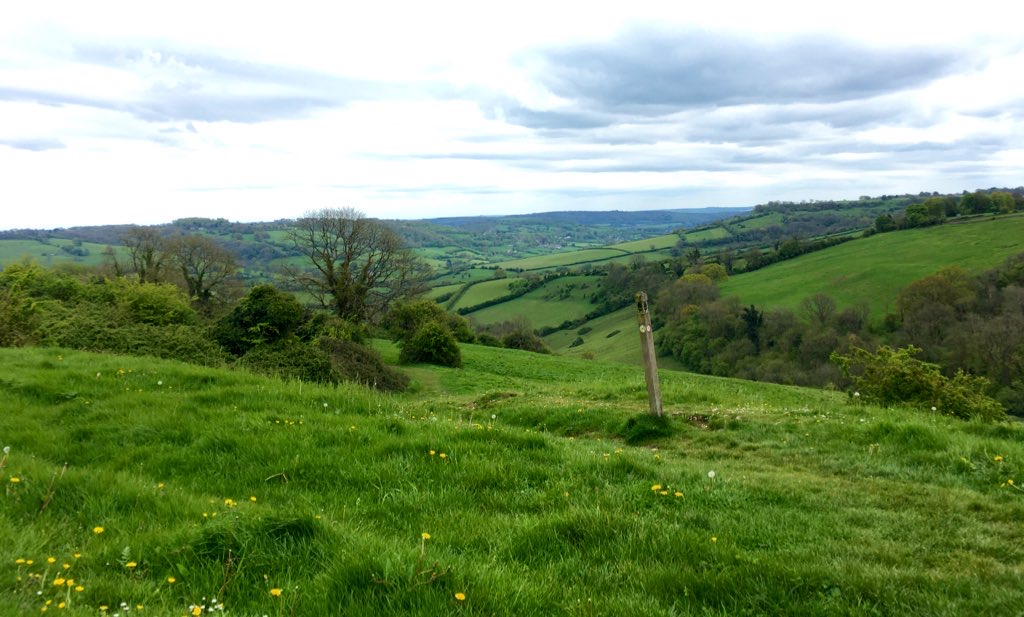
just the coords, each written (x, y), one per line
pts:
(406, 318)
(525, 340)
(264, 316)
(291, 359)
(576, 343)
(433, 343)
(488, 339)
(890, 377)
(359, 364)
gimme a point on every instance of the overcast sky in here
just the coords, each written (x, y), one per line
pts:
(143, 112)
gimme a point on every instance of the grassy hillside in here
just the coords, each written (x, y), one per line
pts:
(506, 487)
(565, 298)
(873, 270)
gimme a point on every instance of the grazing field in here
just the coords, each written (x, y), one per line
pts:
(649, 244)
(484, 292)
(873, 270)
(53, 252)
(570, 258)
(520, 484)
(565, 298)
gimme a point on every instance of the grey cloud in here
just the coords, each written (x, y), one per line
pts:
(661, 69)
(203, 87)
(33, 144)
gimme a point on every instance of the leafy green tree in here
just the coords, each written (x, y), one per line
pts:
(147, 252)
(1002, 202)
(977, 202)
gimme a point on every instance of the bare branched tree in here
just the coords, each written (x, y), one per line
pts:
(146, 249)
(203, 264)
(359, 265)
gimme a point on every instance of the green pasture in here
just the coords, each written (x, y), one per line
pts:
(649, 244)
(484, 292)
(555, 260)
(759, 222)
(872, 270)
(436, 292)
(713, 233)
(518, 485)
(565, 298)
(50, 254)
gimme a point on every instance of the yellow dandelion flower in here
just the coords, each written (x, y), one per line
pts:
(171, 580)
(443, 455)
(461, 597)
(197, 611)
(130, 565)
(276, 592)
(664, 493)
(714, 539)
(104, 608)
(77, 555)
(1010, 481)
(58, 582)
(678, 494)
(79, 589)
(29, 562)
(433, 452)
(97, 530)
(15, 479)
(425, 535)
(70, 582)
(19, 561)
(252, 498)
(66, 566)
(62, 605)
(51, 560)
(656, 487)
(999, 458)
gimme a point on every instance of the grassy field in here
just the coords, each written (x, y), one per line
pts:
(562, 299)
(555, 260)
(485, 291)
(874, 269)
(649, 244)
(713, 233)
(520, 484)
(13, 251)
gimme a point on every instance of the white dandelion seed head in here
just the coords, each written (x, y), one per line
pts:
(325, 405)
(856, 393)
(711, 474)
(7, 449)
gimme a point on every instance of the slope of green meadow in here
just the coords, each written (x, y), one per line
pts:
(559, 300)
(520, 484)
(873, 270)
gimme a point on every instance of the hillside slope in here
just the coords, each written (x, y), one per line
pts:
(506, 487)
(873, 270)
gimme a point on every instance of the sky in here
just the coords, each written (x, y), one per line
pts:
(145, 112)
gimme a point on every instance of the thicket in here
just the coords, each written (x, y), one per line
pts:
(268, 331)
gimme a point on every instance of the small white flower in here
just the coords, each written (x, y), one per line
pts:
(160, 383)
(494, 416)
(711, 474)
(857, 394)
(7, 449)
(325, 405)
(933, 407)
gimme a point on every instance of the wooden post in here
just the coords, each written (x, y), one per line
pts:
(643, 318)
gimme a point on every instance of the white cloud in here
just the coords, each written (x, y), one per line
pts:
(115, 112)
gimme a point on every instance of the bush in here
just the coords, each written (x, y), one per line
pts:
(890, 377)
(406, 318)
(356, 363)
(525, 340)
(290, 358)
(487, 339)
(433, 343)
(264, 316)
(17, 319)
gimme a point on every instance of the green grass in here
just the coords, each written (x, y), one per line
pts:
(760, 222)
(565, 298)
(13, 251)
(555, 260)
(649, 244)
(539, 505)
(484, 292)
(874, 269)
(713, 233)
